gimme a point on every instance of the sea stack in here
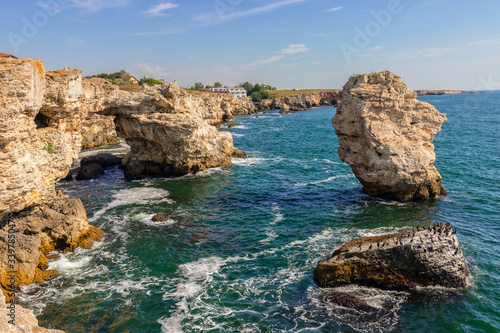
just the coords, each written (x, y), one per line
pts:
(426, 257)
(385, 134)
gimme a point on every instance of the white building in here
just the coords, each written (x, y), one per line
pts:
(236, 91)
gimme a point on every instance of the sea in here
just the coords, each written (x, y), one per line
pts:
(239, 245)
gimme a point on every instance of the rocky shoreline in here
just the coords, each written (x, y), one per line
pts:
(46, 119)
(301, 102)
(446, 92)
(384, 133)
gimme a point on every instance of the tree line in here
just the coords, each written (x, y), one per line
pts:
(122, 78)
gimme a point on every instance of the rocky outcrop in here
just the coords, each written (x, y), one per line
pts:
(168, 132)
(24, 320)
(385, 134)
(302, 102)
(421, 257)
(445, 92)
(40, 115)
(98, 131)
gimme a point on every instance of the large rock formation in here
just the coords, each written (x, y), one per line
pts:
(39, 140)
(168, 132)
(385, 134)
(421, 257)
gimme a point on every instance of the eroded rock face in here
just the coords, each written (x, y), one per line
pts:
(40, 139)
(421, 257)
(385, 134)
(168, 132)
(306, 101)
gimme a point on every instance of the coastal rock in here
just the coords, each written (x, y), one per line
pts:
(60, 224)
(306, 101)
(421, 257)
(351, 302)
(40, 116)
(238, 153)
(90, 171)
(168, 133)
(25, 320)
(301, 102)
(105, 160)
(385, 134)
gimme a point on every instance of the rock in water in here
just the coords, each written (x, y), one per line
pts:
(352, 302)
(428, 257)
(385, 134)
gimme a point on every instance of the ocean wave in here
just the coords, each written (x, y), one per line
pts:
(135, 195)
(329, 179)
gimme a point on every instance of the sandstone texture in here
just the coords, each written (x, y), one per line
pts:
(25, 320)
(385, 134)
(40, 115)
(170, 132)
(421, 257)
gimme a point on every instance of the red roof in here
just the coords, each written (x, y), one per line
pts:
(7, 55)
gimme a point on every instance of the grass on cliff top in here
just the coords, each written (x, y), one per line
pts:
(134, 88)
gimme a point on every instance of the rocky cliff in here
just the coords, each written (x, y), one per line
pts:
(421, 257)
(40, 116)
(169, 131)
(302, 102)
(385, 134)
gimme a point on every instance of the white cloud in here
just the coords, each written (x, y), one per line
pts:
(158, 9)
(334, 9)
(267, 61)
(295, 48)
(228, 14)
(291, 49)
(149, 69)
(376, 48)
(98, 5)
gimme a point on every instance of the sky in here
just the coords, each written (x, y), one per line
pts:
(431, 44)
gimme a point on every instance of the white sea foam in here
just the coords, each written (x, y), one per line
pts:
(135, 195)
(240, 127)
(329, 179)
(248, 161)
(147, 219)
(237, 135)
(69, 264)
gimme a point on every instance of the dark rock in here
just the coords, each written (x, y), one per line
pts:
(350, 301)
(105, 160)
(162, 217)
(90, 171)
(427, 257)
(231, 125)
(238, 153)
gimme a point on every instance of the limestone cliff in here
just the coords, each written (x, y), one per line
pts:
(169, 132)
(385, 134)
(421, 257)
(40, 116)
(302, 102)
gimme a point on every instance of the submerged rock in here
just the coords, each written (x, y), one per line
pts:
(385, 134)
(352, 302)
(421, 257)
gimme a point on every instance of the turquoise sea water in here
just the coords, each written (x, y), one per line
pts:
(239, 250)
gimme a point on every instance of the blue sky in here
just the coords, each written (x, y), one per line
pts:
(434, 44)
